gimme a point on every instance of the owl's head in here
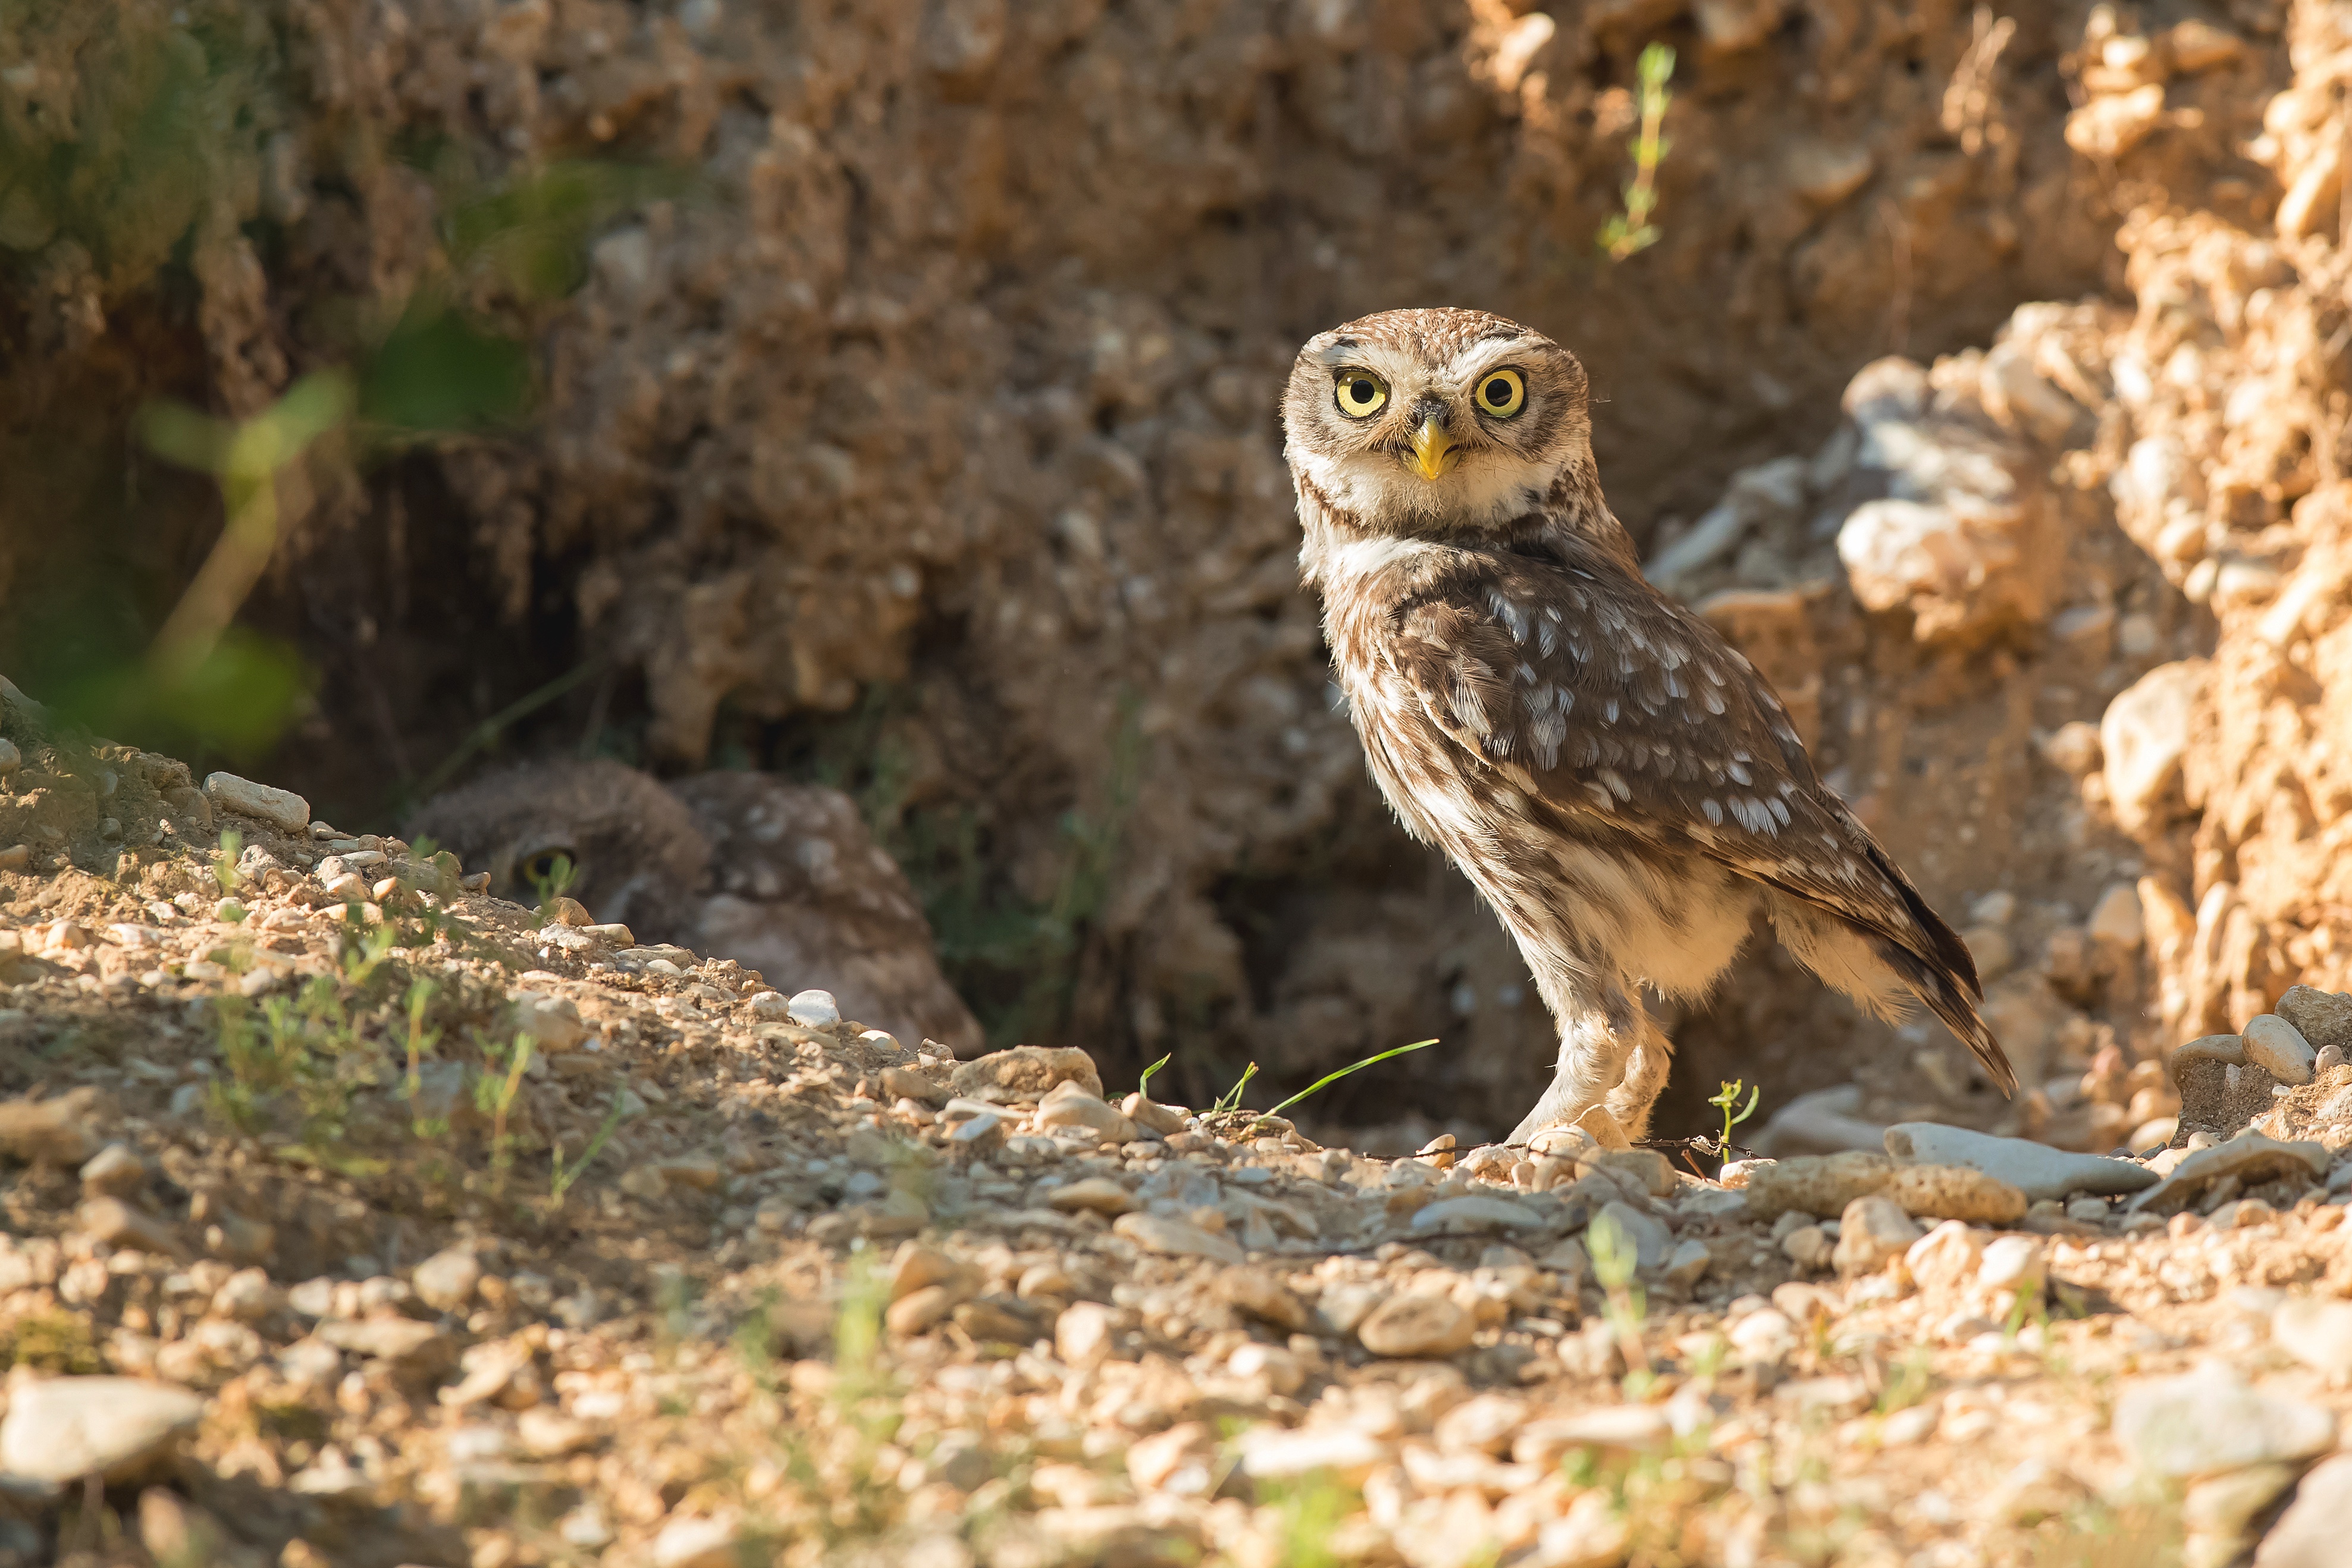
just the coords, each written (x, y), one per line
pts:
(1436, 421)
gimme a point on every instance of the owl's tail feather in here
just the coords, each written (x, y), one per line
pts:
(1884, 975)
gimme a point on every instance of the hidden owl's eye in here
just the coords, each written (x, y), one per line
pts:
(1360, 394)
(1502, 393)
(548, 871)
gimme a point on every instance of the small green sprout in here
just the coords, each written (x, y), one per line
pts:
(1728, 1096)
(1630, 231)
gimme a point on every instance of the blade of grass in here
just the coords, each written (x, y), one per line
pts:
(1331, 1077)
(1143, 1084)
(1232, 1098)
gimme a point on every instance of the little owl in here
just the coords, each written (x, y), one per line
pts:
(1609, 773)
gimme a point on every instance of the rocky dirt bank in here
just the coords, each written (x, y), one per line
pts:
(425, 1232)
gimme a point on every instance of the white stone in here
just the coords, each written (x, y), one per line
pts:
(813, 1009)
(1473, 1213)
(446, 1281)
(61, 1429)
(2310, 1533)
(2316, 1332)
(2035, 1169)
(2212, 1420)
(2116, 919)
(280, 808)
(697, 1543)
(1268, 1452)
(2145, 734)
(2279, 1048)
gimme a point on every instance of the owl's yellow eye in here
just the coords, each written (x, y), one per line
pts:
(1502, 393)
(1360, 394)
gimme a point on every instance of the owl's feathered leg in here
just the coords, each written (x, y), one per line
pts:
(1603, 1043)
(1644, 1080)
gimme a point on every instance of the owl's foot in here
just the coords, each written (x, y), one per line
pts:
(1620, 1070)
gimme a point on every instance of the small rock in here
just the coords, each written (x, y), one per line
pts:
(176, 1531)
(554, 1023)
(2221, 1507)
(1271, 1453)
(1762, 1336)
(2034, 1169)
(921, 1310)
(1410, 1325)
(280, 808)
(2012, 1266)
(1098, 1194)
(1176, 1238)
(1956, 1192)
(2323, 1018)
(2212, 1420)
(1188, 1449)
(413, 1351)
(1736, 1174)
(113, 1172)
(1687, 1263)
(1483, 1424)
(117, 1224)
(1028, 1072)
(997, 1319)
(1069, 1106)
(813, 1009)
(771, 1005)
(55, 1131)
(1150, 1114)
(2145, 734)
(2116, 921)
(546, 1433)
(246, 1296)
(1945, 1258)
(697, 1543)
(905, 1083)
(1601, 1127)
(1808, 1247)
(1872, 1233)
(1625, 1429)
(1473, 1213)
(1815, 1184)
(2318, 1333)
(2279, 1048)
(446, 1281)
(917, 1267)
(2250, 1157)
(1082, 1334)
(61, 1429)
(1258, 1294)
(1650, 1171)
(2310, 1533)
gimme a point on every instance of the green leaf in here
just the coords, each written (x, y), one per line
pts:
(437, 371)
(1331, 1077)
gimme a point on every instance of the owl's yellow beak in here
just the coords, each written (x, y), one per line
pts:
(1434, 451)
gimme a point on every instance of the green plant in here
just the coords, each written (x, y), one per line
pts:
(1231, 1099)
(554, 883)
(495, 1093)
(1615, 1257)
(1725, 1098)
(1143, 1084)
(1630, 231)
(1330, 1078)
(565, 1174)
(225, 871)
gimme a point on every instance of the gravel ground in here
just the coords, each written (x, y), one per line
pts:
(352, 1218)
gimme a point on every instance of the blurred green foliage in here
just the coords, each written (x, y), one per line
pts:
(140, 145)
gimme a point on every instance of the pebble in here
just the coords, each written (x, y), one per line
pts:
(1626, 1428)
(54, 1132)
(2035, 1170)
(771, 1005)
(813, 1009)
(113, 1172)
(1475, 1211)
(1028, 1072)
(1082, 1334)
(697, 1543)
(446, 1281)
(1956, 1192)
(1872, 1233)
(410, 1348)
(2316, 1332)
(1410, 1325)
(61, 1429)
(1687, 1263)
(2310, 1533)
(1815, 1184)
(2323, 1018)
(1270, 1452)
(117, 1224)
(2279, 1048)
(1258, 1294)
(2212, 1421)
(2012, 1265)
(1098, 1194)
(906, 1083)
(1067, 1105)
(1176, 1238)
(1151, 1115)
(281, 808)
(2250, 1157)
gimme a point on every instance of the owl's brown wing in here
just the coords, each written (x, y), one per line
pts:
(1626, 715)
